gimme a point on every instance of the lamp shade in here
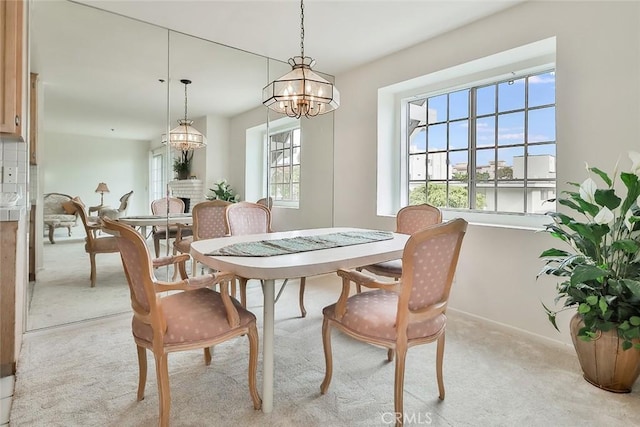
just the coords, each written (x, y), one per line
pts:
(185, 137)
(301, 92)
(102, 188)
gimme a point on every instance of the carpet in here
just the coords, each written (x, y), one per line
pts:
(86, 375)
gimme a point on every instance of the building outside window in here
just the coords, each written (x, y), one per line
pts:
(284, 166)
(487, 148)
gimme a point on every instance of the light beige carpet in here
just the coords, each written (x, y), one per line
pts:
(86, 375)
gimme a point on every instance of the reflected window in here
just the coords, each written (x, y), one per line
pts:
(157, 179)
(284, 166)
(486, 148)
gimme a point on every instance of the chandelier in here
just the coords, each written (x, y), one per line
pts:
(301, 92)
(185, 137)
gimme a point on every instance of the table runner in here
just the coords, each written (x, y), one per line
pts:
(264, 248)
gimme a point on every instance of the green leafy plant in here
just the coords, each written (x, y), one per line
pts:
(223, 191)
(182, 163)
(601, 272)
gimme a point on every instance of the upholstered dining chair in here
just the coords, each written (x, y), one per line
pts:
(159, 207)
(196, 318)
(408, 220)
(266, 201)
(94, 244)
(208, 223)
(402, 314)
(244, 218)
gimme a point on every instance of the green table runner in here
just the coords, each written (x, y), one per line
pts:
(292, 245)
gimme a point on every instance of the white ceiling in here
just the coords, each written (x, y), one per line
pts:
(100, 71)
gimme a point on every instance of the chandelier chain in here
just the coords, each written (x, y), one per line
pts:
(302, 27)
(185, 102)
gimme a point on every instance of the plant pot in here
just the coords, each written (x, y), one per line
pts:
(183, 175)
(604, 363)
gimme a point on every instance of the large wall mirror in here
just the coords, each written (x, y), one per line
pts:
(108, 89)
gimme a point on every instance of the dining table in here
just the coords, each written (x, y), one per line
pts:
(214, 253)
(141, 222)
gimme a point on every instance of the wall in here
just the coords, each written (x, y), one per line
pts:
(75, 164)
(598, 106)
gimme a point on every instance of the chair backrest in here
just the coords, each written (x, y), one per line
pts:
(417, 217)
(159, 206)
(138, 269)
(209, 219)
(429, 263)
(124, 201)
(82, 213)
(248, 218)
(266, 201)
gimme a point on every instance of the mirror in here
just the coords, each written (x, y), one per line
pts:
(108, 88)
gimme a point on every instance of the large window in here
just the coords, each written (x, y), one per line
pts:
(486, 148)
(284, 166)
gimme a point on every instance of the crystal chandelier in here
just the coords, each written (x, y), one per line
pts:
(301, 92)
(185, 137)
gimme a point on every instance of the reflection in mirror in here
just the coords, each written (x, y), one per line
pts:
(226, 86)
(100, 106)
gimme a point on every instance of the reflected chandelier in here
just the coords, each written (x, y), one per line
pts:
(301, 92)
(185, 137)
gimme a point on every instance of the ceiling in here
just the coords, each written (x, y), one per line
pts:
(101, 72)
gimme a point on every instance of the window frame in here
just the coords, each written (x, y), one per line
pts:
(471, 118)
(291, 129)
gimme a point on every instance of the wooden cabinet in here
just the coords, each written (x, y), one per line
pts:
(33, 119)
(11, 33)
(8, 245)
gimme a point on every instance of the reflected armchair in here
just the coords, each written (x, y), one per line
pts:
(208, 223)
(399, 315)
(116, 213)
(93, 244)
(159, 207)
(196, 318)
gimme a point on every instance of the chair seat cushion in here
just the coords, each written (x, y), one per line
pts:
(59, 218)
(386, 269)
(105, 244)
(193, 316)
(373, 314)
(162, 234)
(184, 245)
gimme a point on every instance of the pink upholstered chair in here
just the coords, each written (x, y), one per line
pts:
(94, 244)
(253, 218)
(399, 315)
(196, 318)
(408, 220)
(159, 207)
(208, 223)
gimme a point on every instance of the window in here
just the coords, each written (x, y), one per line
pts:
(158, 175)
(489, 147)
(284, 166)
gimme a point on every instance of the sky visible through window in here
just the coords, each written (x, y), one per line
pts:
(510, 126)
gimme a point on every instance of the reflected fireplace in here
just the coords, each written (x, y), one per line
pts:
(191, 191)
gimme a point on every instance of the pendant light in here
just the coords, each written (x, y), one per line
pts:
(185, 137)
(301, 92)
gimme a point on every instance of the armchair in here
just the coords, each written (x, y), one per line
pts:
(402, 314)
(58, 212)
(195, 318)
(159, 207)
(116, 213)
(253, 218)
(93, 244)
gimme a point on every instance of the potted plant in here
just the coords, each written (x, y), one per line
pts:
(223, 191)
(600, 275)
(182, 164)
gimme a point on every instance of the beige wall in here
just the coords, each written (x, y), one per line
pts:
(598, 111)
